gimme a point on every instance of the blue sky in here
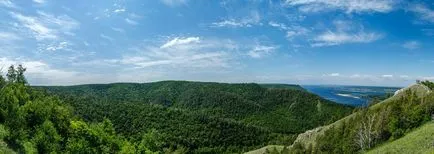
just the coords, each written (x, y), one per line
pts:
(363, 42)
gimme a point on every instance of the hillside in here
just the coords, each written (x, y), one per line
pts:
(417, 141)
(282, 86)
(194, 111)
(390, 119)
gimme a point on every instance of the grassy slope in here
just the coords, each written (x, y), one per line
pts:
(418, 141)
(310, 136)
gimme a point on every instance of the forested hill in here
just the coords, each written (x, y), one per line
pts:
(393, 125)
(283, 86)
(203, 116)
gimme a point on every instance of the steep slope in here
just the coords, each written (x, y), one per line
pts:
(264, 115)
(417, 141)
(382, 113)
(410, 107)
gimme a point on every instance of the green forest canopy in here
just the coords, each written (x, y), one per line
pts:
(155, 117)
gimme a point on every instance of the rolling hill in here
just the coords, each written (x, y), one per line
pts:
(204, 116)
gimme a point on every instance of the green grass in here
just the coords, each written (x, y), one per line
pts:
(420, 140)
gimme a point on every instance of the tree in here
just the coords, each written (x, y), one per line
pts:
(11, 75)
(20, 78)
(366, 134)
(46, 138)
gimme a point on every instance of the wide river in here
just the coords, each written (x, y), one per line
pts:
(350, 95)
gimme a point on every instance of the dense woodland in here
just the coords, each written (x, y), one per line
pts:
(34, 122)
(161, 117)
(203, 117)
(192, 117)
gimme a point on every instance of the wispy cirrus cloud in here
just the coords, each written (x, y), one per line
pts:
(259, 51)
(189, 52)
(252, 19)
(131, 21)
(106, 37)
(343, 33)
(174, 2)
(51, 32)
(332, 75)
(349, 6)
(7, 3)
(291, 31)
(423, 12)
(336, 38)
(46, 26)
(8, 36)
(411, 45)
(120, 30)
(180, 41)
(39, 1)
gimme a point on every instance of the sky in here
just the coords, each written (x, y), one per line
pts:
(363, 42)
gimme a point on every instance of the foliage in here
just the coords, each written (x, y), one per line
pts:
(283, 86)
(429, 84)
(201, 116)
(33, 122)
(169, 116)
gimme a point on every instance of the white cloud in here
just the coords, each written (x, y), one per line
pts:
(9, 44)
(186, 52)
(7, 3)
(348, 6)
(423, 12)
(260, 51)
(411, 45)
(40, 31)
(55, 47)
(106, 37)
(7, 36)
(174, 2)
(336, 38)
(39, 1)
(404, 76)
(253, 19)
(120, 30)
(131, 21)
(46, 26)
(41, 73)
(344, 32)
(120, 10)
(332, 75)
(180, 41)
(387, 76)
(291, 31)
(280, 26)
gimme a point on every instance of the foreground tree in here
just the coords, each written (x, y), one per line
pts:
(34, 122)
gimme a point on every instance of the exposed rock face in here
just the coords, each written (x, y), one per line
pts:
(419, 89)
